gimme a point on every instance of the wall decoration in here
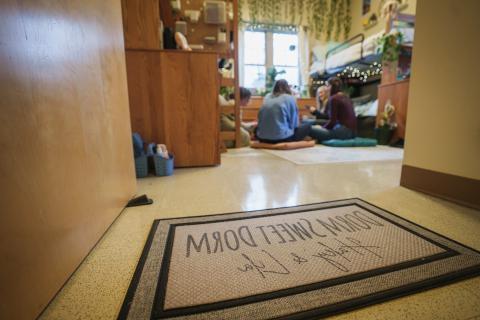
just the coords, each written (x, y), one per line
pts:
(369, 21)
(388, 5)
(325, 18)
(366, 4)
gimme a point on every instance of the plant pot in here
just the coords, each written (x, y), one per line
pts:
(383, 134)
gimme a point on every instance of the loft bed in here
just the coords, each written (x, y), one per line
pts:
(356, 52)
(360, 53)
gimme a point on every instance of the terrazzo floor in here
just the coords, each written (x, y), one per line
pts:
(251, 179)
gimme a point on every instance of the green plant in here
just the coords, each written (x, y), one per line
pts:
(389, 46)
(272, 74)
(226, 92)
(324, 18)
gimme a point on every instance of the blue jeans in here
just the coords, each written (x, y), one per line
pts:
(338, 132)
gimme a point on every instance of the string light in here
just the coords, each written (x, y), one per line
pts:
(286, 28)
(371, 71)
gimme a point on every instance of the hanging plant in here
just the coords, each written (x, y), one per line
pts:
(253, 10)
(340, 18)
(262, 8)
(323, 17)
(277, 6)
(309, 9)
(348, 20)
(331, 19)
(293, 10)
(240, 10)
(300, 12)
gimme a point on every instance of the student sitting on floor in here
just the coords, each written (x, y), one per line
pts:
(278, 117)
(321, 112)
(342, 123)
(227, 122)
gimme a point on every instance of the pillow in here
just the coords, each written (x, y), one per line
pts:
(283, 145)
(368, 109)
(361, 100)
(357, 142)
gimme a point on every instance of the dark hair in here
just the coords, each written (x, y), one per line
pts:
(281, 86)
(335, 85)
(245, 93)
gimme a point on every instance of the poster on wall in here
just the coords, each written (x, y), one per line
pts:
(366, 6)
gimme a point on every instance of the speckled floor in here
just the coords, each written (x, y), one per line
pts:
(252, 179)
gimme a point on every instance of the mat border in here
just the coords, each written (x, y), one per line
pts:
(316, 312)
(158, 311)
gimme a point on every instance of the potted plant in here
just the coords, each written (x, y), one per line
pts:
(389, 46)
(386, 124)
(272, 74)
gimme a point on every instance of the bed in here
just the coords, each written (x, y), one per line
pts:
(357, 52)
(357, 56)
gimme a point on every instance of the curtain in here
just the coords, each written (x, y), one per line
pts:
(304, 53)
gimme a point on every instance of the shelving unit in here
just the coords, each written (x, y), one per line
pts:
(232, 25)
(161, 109)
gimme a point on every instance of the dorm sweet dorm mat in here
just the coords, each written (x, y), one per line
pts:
(290, 263)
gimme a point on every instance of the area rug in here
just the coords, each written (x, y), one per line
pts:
(292, 263)
(324, 154)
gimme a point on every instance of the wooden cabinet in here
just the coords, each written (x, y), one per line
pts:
(397, 93)
(141, 24)
(174, 100)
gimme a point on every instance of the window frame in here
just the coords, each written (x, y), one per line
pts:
(269, 55)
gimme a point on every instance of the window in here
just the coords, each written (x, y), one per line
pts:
(254, 59)
(264, 49)
(285, 57)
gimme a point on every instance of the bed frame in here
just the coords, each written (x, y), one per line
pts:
(359, 38)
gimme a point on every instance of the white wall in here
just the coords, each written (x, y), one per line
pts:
(357, 17)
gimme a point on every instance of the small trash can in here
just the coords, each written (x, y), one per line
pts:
(383, 135)
(141, 166)
(163, 167)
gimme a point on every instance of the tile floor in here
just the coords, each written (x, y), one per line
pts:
(252, 179)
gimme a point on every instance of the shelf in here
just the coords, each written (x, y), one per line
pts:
(227, 109)
(226, 54)
(227, 82)
(227, 135)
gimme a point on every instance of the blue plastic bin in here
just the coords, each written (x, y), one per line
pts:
(163, 167)
(141, 166)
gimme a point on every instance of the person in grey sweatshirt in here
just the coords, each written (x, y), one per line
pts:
(278, 117)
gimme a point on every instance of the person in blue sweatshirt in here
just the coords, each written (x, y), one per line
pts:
(278, 117)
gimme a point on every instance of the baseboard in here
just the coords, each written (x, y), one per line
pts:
(464, 191)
